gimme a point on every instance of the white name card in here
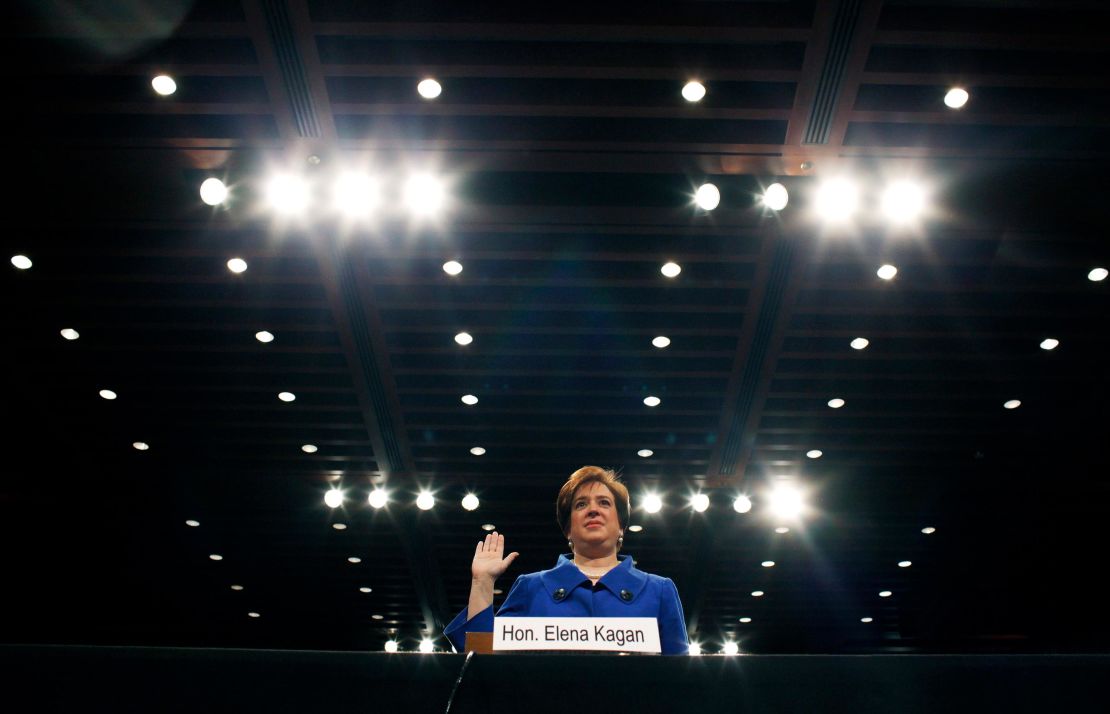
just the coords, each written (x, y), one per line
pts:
(600, 634)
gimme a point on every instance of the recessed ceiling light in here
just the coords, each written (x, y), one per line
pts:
(731, 648)
(860, 343)
(652, 401)
(264, 336)
(253, 614)
(424, 194)
(237, 588)
(469, 399)
(141, 446)
(742, 504)
(477, 450)
(364, 589)
(904, 563)
(837, 199)
(836, 402)
(70, 334)
(636, 528)
(464, 338)
(213, 191)
(745, 620)
(757, 593)
(671, 269)
(694, 649)
(865, 619)
(928, 530)
(956, 97)
(429, 89)
(470, 502)
(333, 498)
(887, 272)
(488, 527)
(782, 529)
(377, 617)
(21, 261)
(215, 556)
(652, 503)
(287, 194)
(164, 85)
(192, 523)
(452, 267)
(768, 563)
(309, 448)
(354, 560)
(707, 197)
(700, 502)
(1095, 276)
(391, 646)
(693, 91)
(644, 453)
(498, 591)
(377, 498)
(815, 453)
(427, 647)
(776, 197)
(108, 394)
(1049, 343)
(237, 265)
(355, 195)
(885, 593)
(339, 526)
(425, 501)
(1012, 404)
(903, 201)
(661, 341)
(286, 396)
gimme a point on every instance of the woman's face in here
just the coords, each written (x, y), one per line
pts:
(594, 525)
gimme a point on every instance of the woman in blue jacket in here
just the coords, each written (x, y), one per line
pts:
(592, 580)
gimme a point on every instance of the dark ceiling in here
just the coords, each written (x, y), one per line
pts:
(572, 159)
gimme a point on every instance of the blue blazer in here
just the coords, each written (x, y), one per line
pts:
(564, 591)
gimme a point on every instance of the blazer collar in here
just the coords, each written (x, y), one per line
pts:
(566, 576)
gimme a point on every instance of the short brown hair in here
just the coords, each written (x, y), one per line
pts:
(591, 474)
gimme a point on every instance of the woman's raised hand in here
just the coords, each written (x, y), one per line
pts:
(488, 561)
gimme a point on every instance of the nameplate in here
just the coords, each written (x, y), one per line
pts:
(597, 634)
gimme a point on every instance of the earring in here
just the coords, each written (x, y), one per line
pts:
(570, 544)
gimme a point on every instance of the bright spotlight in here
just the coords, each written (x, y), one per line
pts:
(776, 197)
(237, 265)
(426, 646)
(356, 195)
(424, 195)
(837, 199)
(164, 85)
(1050, 343)
(670, 269)
(645, 453)
(470, 502)
(213, 191)
(887, 272)
(785, 502)
(731, 648)
(377, 498)
(836, 403)
(429, 89)
(956, 97)
(477, 450)
(464, 338)
(700, 502)
(1097, 275)
(391, 646)
(652, 503)
(287, 194)
(652, 401)
(21, 261)
(742, 504)
(815, 453)
(859, 343)
(469, 399)
(695, 649)
(707, 197)
(903, 201)
(452, 267)
(661, 341)
(1012, 404)
(693, 91)
(333, 498)
(425, 501)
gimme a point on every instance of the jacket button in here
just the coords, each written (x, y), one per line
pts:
(626, 596)
(560, 594)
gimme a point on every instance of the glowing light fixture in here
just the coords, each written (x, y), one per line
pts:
(377, 498)
(70, 334)
(287, 194)
(694, 649)
(928, 530)
(354, 560)
(661, 341)
(885, 593)
(215, 556)
(836, 403)
(424, 195)
(237, 588)
(700, 502)
(815, 453)
(731, 648)
(956, 97)
(356, 195)
(213, 191)
(164, 85)
(309, 448)
(237, 265)
(742, 504)
(887, 272)
(425, 501)
(782, 529)
(707, 197)
(452, 267)
(141, 446)
(470, 502)
(477, 450)
(464, 338)
(192, 523)
(429, 89)
(108, 394)
(333, 498)
(785, 502)
(286, 396)
(860, 343)
(488, 527)
(671, 270)
(865, 620)
(1012, 404)
(1049, 343)
(837, 200)
(693, 91)
(644, 453)
(254, 614)
(904, 563)
(776, 197)
(652, 401)
(365, 589)
(636, 528)
(391, 646)
(469, 399)
(653, 503)
(339, 526)
(745, 620)
(903, 201)
(264, 336)
(768, 563)
(1097, 275)
(22, 262)
(757, 593)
